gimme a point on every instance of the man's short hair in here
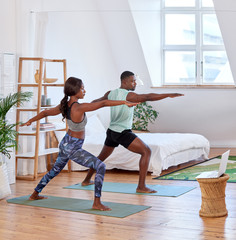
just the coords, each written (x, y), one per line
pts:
(126, 74)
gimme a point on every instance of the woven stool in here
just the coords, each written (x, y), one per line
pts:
(213, 196)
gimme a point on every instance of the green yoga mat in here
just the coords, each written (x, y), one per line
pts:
(119, 210)
(130, 188)
(190, 173)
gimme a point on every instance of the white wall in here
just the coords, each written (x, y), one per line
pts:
(209, 112)
(7, 26)
(102, 38)
(226, 15)
(7, 65)
(80, 38)
(147, 19)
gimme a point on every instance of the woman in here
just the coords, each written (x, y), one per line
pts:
(71, 145)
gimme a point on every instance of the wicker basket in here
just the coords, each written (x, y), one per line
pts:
(213, 196)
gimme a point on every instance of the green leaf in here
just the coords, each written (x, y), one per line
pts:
(13, 100)
(143, 114)
(7, 130)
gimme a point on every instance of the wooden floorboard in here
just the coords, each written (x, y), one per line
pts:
(169, 218)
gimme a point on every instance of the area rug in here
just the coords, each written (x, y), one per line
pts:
(190, 173)
(119, 210)
(130, 188)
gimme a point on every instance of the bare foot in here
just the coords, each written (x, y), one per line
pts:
(84, 183)
(35, 196)
(145, 190)
(101, 207)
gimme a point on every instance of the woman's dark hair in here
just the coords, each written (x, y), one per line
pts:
(126, 74)
(71, 88)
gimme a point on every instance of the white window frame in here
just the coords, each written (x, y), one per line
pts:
(198, 48)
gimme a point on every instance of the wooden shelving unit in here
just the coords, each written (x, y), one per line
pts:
(40, 85)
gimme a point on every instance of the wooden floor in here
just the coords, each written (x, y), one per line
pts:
(168, 218)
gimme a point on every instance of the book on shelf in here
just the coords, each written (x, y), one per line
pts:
(44, 126)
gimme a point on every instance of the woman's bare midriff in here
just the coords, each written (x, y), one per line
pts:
(79, 135)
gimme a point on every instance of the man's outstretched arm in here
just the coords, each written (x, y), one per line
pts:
(133, 97)
(105, 97)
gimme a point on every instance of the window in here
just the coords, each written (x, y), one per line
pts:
(193, 48)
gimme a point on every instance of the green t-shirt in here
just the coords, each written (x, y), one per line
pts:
(122, 115)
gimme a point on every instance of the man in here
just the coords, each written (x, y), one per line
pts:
(119, 131)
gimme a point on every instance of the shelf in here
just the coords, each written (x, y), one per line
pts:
(26, 109)
(43, 84)
(41, 153)
(40, 83)
(34, 108)
(33, 132)
(42, 59)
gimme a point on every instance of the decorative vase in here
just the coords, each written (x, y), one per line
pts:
(36, 76)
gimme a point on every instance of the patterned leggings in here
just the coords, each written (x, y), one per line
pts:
(71, 148)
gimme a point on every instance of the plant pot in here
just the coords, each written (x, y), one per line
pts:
(5, 189)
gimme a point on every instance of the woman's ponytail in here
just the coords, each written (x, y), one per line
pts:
(64, 106)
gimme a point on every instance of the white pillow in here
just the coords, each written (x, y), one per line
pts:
(94, 126)
(59, 135)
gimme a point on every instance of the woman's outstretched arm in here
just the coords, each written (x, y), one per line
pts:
(48, 112)
(87, 107)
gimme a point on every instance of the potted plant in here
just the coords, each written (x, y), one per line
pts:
(8, 135)
(143, 114)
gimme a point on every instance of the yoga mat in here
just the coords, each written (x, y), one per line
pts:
(119, 210)
(190, 173)
(130, 188)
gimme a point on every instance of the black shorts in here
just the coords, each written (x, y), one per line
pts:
(124, 138)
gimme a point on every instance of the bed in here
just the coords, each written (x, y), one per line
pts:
(168, 149)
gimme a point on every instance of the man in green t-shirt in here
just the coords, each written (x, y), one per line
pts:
(119, 131)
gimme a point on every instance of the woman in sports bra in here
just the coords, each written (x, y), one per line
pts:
(71, 145)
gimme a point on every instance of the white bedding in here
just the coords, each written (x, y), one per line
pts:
(168, 149)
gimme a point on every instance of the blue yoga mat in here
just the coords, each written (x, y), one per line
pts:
(130, 188)
(120, 210)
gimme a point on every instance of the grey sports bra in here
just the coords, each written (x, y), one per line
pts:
(75, 126)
